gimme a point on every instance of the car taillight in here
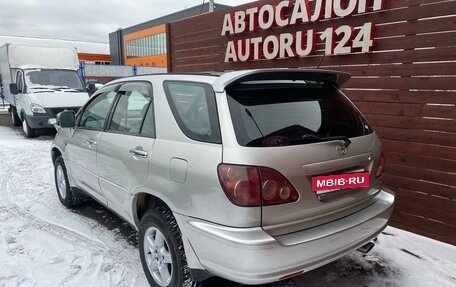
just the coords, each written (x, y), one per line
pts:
(250, 186)
(381, 166)
(276, 189)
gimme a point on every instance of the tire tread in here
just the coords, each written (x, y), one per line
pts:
(168, 218)
(14, 116)
(72, 200)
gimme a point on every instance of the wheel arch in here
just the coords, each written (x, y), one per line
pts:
(141, 204)
(144, 201)
(55, 152)
(21, 114)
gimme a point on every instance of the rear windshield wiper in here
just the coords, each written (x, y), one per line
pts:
(346, 140)
(247, 111)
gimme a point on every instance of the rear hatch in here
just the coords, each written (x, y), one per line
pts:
(303, 129)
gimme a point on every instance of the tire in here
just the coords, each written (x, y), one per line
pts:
(28, 131)
(64, 192)
(15, 117)
(165, 266)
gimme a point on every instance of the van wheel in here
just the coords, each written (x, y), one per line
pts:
(14, 117)
(29, 132)
(64, 192)
(162, 251)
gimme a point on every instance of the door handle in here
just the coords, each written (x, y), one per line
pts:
(138, 153)
(92, 143)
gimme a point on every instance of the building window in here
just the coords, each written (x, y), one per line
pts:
(146, 46)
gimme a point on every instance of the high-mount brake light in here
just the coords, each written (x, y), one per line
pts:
(250, 186)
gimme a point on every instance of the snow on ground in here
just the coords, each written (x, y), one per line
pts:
(44, 244)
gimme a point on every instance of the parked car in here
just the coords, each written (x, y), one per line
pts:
(254, 176)
(39, 82)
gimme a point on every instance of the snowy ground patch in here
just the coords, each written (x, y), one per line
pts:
(44, 244)
(3, 108)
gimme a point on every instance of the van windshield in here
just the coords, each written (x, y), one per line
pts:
(53, 80)
(274, 114)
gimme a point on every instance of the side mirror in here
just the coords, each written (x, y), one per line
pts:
(66, 119)
(91, 89)
(13, 89)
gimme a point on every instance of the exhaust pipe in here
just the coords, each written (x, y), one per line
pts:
(366, 247)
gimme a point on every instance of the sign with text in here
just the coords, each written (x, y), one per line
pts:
(328, 183)
(339, 40)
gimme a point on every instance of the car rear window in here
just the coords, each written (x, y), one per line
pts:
(266, 115)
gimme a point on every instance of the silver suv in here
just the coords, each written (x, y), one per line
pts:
(254, 176)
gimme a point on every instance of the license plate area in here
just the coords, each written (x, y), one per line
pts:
(337, 182)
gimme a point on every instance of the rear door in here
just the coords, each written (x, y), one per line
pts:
(288, 127)
(125, 148)
(83, 144)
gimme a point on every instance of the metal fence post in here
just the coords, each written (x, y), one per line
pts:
(82, 70)
(1, 93)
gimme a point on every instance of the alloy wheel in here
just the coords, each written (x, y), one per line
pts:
(61, 182)
(158, 256)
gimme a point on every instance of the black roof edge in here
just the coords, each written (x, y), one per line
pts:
(173, 17)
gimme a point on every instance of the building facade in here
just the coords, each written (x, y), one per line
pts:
(146, 44)
(146, 47)
(94, 58)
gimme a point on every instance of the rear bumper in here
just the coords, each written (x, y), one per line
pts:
(251, 256)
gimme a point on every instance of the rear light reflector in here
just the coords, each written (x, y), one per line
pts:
(250, 186)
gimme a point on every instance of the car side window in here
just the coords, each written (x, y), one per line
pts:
(193, 106)
(132, 109)
(94, 115)
(148, 128)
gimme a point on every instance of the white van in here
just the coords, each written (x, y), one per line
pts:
(39, 82)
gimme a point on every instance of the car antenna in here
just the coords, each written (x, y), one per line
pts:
(321, 60)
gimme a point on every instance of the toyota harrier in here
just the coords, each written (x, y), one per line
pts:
(254, 176)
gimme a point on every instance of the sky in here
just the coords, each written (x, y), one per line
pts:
(85, 20)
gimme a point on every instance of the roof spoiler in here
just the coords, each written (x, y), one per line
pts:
(232, 78)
